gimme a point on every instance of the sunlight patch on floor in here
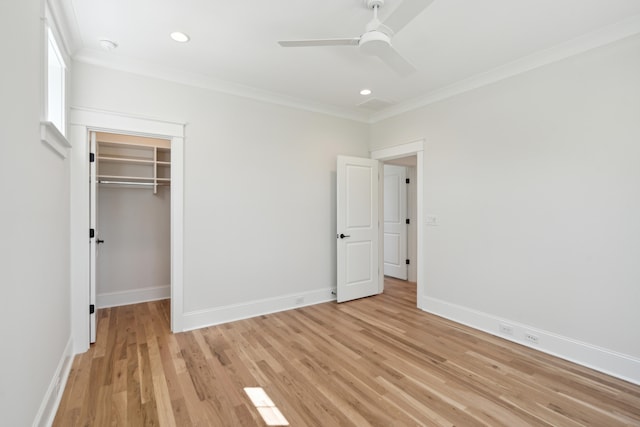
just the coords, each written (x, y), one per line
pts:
(265, 406)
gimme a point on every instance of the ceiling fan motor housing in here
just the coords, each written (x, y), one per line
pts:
(372, 42)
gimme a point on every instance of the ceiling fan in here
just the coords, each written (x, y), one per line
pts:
(376, 39)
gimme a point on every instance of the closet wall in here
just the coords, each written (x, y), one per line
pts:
(133, 217)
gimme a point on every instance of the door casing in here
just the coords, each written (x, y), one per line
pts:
(81, 122)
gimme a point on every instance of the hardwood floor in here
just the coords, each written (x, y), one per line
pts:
(378, 361)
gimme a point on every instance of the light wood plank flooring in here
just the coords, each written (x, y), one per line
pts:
(372, 362)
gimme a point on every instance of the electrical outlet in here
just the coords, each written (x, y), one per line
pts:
(528, 336)
(506, 329)
(299, 300)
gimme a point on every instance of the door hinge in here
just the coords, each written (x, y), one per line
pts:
(407, 221)
(92, 157)
(92, 233)
(408, 262)
(407, 181)
(92, 308)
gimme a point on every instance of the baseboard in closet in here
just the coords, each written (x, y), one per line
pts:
(134, 296)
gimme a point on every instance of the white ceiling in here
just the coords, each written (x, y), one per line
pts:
(233, 47)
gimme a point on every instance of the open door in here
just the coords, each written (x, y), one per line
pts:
(357, 228)
(93, 187)
(395, 221)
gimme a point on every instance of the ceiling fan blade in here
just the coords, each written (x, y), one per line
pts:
(405, 13)
(320, 42)
(395, 61)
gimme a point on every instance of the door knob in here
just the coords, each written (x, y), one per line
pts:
(342, 236)
(98, 241)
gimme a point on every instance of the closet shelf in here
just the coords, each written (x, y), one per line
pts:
(127, 160)
(130, 160)
(108, 140)
(126, 178)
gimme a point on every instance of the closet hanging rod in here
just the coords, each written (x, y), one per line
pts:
(146, 184)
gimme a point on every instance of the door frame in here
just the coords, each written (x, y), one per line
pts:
(403, 150)
(82, 122)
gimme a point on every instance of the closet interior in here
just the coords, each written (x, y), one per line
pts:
(133, 160)
(133, 219)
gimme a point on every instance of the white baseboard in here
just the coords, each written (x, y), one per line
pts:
(203, 318)
(601, 359)
(135, 296)
(51, 401)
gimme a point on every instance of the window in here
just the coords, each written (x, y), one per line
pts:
(56, 71)
(53, 125)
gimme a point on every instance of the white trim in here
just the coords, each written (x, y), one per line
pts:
(609, 362)
(49, 134)
(51, 36)
(51, 401)
(193, 79)
(420, 286)
(56, 20)
(609, 34)
(177, 232)
(230, 313)
(133, 296)
(55, 59)
(395, 152)
(135, 125)
(79, 242)
(398, 151)
(82, 121)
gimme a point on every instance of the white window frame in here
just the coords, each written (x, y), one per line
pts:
(53, 130)
(55, 100)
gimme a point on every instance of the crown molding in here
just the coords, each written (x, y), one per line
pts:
(65, 24)
(606, 35)
(135, 66)
(65, 19)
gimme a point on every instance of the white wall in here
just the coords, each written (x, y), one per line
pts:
(535, 183)
(34, 243)
(259, 187)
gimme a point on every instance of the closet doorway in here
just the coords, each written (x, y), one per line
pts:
(83, 123)
(130, 209)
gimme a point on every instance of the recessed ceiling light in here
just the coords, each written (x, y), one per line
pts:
(107, 44)
(180, 37)
(365, 92)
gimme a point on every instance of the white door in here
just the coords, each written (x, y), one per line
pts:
(357, 228)
(395, 226)
(93, 187)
